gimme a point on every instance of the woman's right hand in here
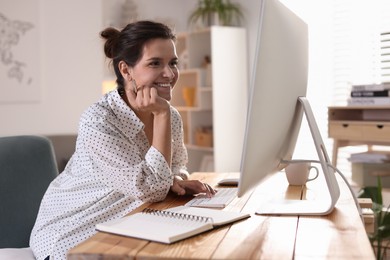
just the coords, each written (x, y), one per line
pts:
(146, 99)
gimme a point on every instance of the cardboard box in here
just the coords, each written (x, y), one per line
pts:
(204, 139)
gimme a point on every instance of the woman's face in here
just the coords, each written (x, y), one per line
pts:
(158, 67)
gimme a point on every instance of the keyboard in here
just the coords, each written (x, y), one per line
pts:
(220, 200)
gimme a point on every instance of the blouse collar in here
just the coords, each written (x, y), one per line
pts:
(129, 120)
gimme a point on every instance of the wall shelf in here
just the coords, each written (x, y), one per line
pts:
(199, 62)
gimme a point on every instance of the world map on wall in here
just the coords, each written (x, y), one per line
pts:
(11, 31)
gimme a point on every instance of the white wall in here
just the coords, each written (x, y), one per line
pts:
(70, 73)
(72, 64)
(175, 13)
(251, 10)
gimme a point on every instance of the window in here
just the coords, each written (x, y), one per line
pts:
(349, 44)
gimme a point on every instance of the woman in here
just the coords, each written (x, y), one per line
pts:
(129, 148)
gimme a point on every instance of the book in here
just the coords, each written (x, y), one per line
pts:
(367, 93)
(368, 101)
(371, 87)
(370, 157)
(170, 225)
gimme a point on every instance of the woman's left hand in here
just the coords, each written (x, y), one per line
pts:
(183, 187)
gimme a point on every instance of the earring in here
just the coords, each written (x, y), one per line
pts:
(134, 86)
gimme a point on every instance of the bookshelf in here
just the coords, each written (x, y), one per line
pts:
(213, 70)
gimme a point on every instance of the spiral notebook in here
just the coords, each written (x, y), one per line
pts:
(170, 225)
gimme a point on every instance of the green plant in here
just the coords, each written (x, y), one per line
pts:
(226, 12)
(381, 236)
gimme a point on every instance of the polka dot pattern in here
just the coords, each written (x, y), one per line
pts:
(113, 171)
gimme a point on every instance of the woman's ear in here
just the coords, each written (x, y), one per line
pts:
(125, 70)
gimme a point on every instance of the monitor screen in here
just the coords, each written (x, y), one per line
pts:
(276, 106)
(279, 78)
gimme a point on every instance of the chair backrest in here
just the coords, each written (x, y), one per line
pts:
(64, 147)
(27, 166)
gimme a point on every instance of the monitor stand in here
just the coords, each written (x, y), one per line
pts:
(308, 207)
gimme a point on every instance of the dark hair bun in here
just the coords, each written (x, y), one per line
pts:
(111, 36)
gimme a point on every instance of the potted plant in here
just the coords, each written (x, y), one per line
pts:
(216, 12)
(381, 236)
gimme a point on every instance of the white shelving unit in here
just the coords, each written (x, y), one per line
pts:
(220, 96)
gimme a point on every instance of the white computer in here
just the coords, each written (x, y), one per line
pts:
(276, 108)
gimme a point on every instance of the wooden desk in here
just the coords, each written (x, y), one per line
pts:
(340, 235)
(358, 125)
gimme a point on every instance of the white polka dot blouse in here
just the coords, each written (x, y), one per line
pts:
(113, 171)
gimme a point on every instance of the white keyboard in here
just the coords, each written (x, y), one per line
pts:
(220, 200)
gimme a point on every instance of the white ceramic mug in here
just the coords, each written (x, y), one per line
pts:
(298, 173)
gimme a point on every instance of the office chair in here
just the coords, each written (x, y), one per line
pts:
(27, 166)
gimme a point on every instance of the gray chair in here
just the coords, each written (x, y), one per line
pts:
(27, 166)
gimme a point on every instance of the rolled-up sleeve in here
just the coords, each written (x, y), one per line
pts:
(180, 156)
(121, 165)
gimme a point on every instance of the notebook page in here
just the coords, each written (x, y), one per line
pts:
(220, 217)
(159, 228)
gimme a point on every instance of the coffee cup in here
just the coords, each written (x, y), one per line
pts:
(298, 173)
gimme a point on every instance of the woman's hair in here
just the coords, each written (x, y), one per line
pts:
(127, 44)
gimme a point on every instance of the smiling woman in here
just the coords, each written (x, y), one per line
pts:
(129, 147)
(156, 69)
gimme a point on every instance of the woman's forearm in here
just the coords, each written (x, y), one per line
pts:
(162, 139)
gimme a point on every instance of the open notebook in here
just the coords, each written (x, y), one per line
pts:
(170, 225)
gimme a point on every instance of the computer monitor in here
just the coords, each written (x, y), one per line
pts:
(276, 107)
